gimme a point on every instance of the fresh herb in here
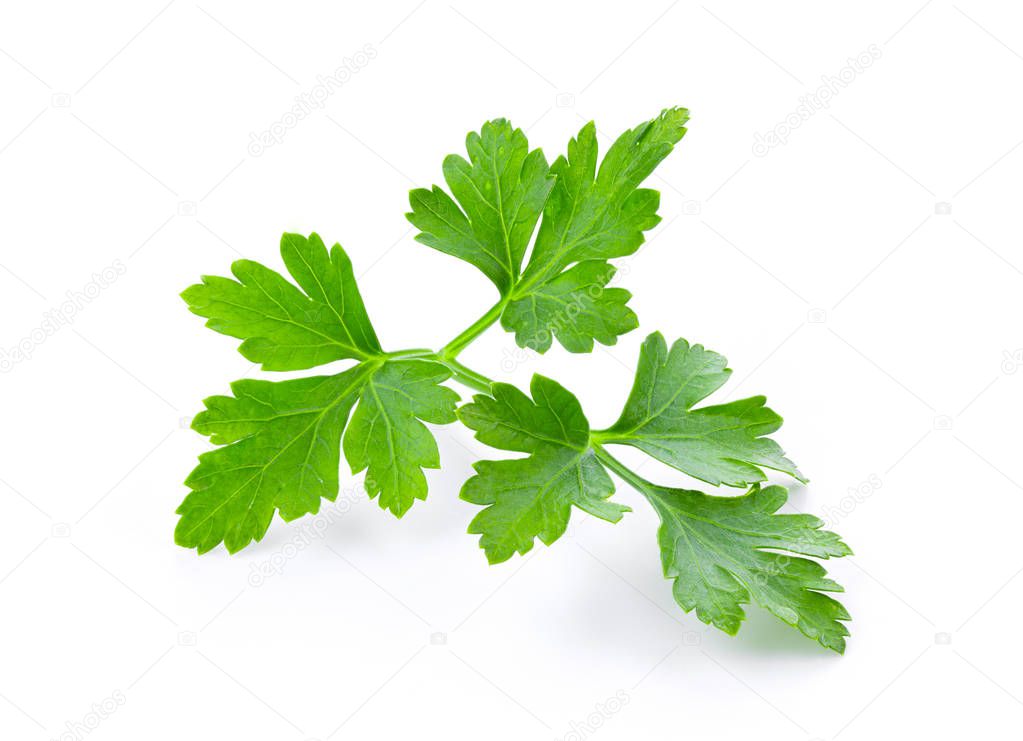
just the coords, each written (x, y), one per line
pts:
(280, 442)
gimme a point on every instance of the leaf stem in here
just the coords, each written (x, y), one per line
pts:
(419, 352)
(467, 376)
(451, 350)
(627, 475)
(461, 373)
(447, 354)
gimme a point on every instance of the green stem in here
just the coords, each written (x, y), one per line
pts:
(418, 352)
(627, 475)
(447, 354)
(461, 373)
(478, 382)
(467, 376)
(451, 350)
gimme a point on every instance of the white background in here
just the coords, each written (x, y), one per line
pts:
(888, 334)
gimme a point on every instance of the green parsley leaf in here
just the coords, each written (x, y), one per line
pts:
(592, 214)
(532, 497)
(722, 444)
(282, 327)
(714, 550)
(280, 443)
(576, 306)
(386, 436)
(281, 452)
(501, 191)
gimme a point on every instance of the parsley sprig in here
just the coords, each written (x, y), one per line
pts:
(280, 442)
